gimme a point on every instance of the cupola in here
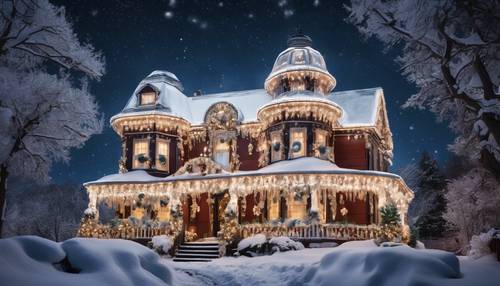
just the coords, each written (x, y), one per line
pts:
(299, 68)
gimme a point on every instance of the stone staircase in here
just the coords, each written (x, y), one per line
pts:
(202, 251)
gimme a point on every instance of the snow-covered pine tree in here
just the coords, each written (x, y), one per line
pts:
(45, 105)
(450, 52)
(428, 205)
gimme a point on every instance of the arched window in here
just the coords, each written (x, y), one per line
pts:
(221, 152)
(147, 96)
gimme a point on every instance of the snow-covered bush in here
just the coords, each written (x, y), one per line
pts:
(283, 243)
(162, 244)
(358, 265)
(480, 244)
(260, 245)
(255, 241)
(31, 260)
(472, 204)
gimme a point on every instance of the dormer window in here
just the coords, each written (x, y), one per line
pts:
(147, 96)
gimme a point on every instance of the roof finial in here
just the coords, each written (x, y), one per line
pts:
(299, 39)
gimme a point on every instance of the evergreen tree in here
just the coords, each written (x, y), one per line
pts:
(429, 203)
(390, 215)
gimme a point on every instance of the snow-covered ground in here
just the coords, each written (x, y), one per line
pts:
(360, 264)
(30, 260)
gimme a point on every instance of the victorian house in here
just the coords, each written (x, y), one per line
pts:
(295, 158)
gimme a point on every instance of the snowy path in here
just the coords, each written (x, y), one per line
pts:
(278, 269)
(288, 269)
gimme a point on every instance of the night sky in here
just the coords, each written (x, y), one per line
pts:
(220, 46)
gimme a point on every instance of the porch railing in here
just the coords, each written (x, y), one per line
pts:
(314, 231)
(129, 232)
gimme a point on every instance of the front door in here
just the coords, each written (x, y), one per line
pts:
(220, 201)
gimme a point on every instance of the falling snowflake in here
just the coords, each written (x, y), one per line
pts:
(193, 20)
(411, 127)
(288, 13)
(250, 16)
(316, 3)
(94, 13)
(169, 14)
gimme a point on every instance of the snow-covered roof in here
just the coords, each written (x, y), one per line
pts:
(359, 106)
(305, 165)
(298, 58)
(300, 96)
(170, 100)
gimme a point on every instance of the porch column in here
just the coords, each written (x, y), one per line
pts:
(92, 206)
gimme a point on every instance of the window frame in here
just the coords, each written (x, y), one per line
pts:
(135, 160)
(276, 155)
(303, 151)
(216, 151)
(158, 165)
(317, 134)
(143, 93)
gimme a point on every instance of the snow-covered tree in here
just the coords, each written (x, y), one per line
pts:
(451, 52)
(473, 202)
(45, 105)
(427, 208)
(51, 211)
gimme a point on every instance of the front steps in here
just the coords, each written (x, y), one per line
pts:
(203, 251)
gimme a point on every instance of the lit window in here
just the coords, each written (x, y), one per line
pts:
(297, 142)
(141, 154)
(276, 143)
(221, 152)
(148, 98)
(299, 57)
(320, 142)
(162, 154)
(281, 61)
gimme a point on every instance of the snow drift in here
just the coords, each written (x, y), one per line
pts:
(31, 260)
(363, 264)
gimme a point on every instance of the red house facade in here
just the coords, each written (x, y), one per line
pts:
(278, 159)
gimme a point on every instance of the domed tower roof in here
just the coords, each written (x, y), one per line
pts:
(158, 95)
(299, 67)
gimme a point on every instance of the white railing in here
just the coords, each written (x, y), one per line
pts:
(314, 231)
(148, 232)
(128, 232)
